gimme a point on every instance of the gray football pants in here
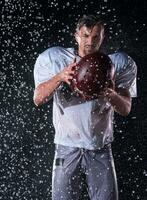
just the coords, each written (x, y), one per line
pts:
(71, 163)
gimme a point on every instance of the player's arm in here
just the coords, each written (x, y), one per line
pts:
(44, 90)
(120, 99)
(125, 82)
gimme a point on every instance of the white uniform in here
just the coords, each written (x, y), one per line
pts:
(79, 123)
(83, 129)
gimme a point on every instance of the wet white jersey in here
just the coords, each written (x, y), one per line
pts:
(79, 123)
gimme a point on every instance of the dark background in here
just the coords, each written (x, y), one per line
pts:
(26, 132)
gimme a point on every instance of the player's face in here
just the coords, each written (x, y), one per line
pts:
(89, 40)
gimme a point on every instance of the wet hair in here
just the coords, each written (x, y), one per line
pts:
(89, 21)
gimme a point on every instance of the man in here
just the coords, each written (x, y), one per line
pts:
(83, 129)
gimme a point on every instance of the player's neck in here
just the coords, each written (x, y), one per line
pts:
(81, 53)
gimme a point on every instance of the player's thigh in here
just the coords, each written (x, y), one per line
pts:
(101, 177)
(66, 174)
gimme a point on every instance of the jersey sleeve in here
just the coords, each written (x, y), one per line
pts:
(43, 69)
(126, 73)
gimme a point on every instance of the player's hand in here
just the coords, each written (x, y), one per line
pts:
(109, 91)
(67, 73)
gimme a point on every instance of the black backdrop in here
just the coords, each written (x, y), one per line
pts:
(26, 132)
